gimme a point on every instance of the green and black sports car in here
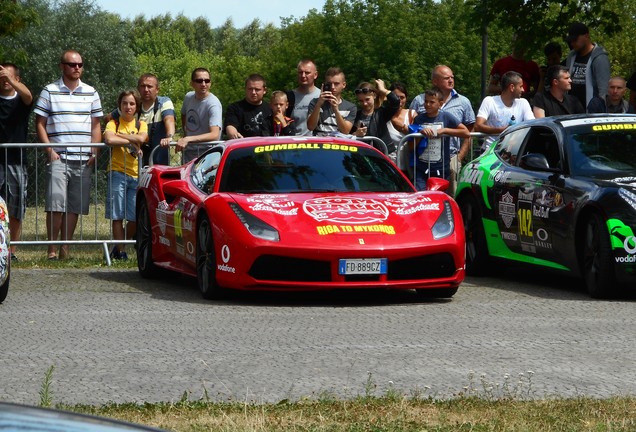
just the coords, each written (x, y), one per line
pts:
(560, 193)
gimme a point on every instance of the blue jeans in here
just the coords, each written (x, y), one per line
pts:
(120, 196)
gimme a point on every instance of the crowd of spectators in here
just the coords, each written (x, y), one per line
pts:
(143, 123)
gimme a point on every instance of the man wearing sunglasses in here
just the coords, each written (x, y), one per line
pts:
(200, 116)
(68, 111)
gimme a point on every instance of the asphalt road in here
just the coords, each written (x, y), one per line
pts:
(114, 337)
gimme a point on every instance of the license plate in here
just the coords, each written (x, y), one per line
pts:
(362, 266)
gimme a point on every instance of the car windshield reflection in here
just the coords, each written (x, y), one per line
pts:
(310, 170)
(603, 154)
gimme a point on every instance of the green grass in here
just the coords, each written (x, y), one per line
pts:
(93, 226)
(387, 413)
(511, 406)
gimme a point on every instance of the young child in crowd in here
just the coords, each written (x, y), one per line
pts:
(281, 124)
(430, 156)
(127, 135)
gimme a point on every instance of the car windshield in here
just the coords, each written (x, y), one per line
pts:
(318, 167)
(602, 151)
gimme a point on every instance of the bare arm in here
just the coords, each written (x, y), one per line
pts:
(538, 112)
(466, 143)
(314, 116)
(168, 122)
(344, 126)
(461, 131)
(232, 132)
(213, 135)
(96, 137)
(43, 137)
(21, 89)
(481, 126)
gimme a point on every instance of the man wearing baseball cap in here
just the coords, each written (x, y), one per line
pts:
(588, 64)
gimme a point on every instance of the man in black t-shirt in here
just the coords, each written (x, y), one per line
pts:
(557, 101)
(15, 107)
(249, 116)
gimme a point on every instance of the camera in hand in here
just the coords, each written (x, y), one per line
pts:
(327, 87)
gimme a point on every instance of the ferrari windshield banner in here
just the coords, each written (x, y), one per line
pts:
(305, 146)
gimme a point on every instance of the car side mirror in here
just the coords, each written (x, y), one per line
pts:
(536, 162)
(437, 184)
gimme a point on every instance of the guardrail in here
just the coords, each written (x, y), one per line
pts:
(34, 163)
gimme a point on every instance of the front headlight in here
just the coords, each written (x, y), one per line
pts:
(445, 224)
(254, 225)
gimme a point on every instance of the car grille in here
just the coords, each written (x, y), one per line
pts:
(280, 268)
(272, 267)
(422, 267)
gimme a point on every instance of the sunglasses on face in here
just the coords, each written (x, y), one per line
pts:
(202, 80)
(364, 90)
(73, 65)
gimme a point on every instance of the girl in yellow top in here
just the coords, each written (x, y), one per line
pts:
(127, 136)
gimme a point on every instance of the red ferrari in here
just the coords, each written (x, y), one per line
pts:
(298, 213)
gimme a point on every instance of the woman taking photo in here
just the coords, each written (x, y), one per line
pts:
(374, 115)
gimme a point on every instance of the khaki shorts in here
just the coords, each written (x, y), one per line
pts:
(69, 186)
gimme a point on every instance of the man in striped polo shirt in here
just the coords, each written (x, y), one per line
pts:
(68, 111)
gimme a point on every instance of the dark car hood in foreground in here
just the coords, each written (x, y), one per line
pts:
(23, 418)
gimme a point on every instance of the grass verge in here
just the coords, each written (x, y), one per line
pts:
(388, 413)
(480, 406)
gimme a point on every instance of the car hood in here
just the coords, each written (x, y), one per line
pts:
(390, 218)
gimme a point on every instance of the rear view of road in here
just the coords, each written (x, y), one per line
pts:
(114, 337)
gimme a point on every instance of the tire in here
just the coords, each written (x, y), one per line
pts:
(206, 262)
(597, 265)
(478, 261)
(145, 264)
(436, 292)
(4, 288)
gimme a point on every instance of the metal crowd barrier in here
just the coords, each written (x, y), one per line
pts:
(475, 136)
(34, 163)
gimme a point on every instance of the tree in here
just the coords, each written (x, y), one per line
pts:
(99, 37)
(14, 17)
(529, 18)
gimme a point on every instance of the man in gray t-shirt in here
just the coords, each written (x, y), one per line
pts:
(302, 95)
(200, 116)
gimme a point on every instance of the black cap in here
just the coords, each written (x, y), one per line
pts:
(576, 30)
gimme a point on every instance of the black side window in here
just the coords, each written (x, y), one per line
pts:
(544, 141)
(508, 146)
(204, 172)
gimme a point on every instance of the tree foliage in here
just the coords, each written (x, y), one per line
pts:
(14, 17)
(529, 18)
(75, 24)
(389, 39)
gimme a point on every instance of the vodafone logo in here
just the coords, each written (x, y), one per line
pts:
(225, 254)
(630, 245)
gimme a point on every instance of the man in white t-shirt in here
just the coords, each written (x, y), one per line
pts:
(300, 97)
(496, 113)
